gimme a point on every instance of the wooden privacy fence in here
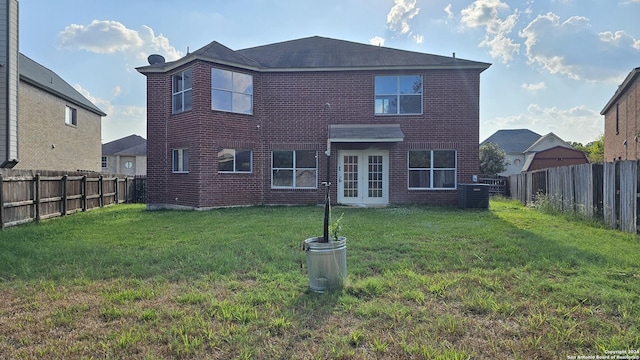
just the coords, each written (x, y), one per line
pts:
(607, 192)
(28, 196)
(497, 184)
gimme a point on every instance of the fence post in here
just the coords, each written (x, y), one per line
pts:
(84, 192)
(64, 195)
(116, 190)
(100, 191)
(36, 184)
(1, 202)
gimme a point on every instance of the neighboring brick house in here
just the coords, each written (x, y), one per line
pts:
(622, 120)
(127, 156)
(527, 151)
(246, 127)
(58, 128)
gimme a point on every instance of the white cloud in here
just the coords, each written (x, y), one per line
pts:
(377, 41)
(109, 37)
(120, 121)
(117, 90)
(486, 14)
(449, 12)
(104, 105)
(534, 87)
(571, 48)
(102, 37)
(419, 39)
(400, 14)
(579, 123)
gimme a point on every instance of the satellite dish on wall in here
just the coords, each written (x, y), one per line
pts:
(155, 59)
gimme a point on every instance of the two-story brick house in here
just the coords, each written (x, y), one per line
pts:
(253, 126)
(622, 120)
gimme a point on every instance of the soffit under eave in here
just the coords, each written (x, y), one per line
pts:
(165, 68)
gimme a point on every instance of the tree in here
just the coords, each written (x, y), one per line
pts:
(595, 149)
(492, 159)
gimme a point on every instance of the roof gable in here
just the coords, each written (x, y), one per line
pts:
(129, 145)
(47, 80)
(513, 141)
(550, 140)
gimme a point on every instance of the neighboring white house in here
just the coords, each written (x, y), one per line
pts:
(127, 156)
(521, 145)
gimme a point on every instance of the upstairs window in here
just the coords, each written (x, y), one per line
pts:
(398, 95)
(181, 90)
(432, 169)
(180, 160)
(104, 162)
(231, 91)
(234, 160)
(70, 116)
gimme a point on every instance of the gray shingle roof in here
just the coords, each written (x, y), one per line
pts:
(45, 79)
(132, 145)
(513, 141)
(321, 52)
(315, 53)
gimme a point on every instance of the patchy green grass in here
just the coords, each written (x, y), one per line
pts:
(423, 283)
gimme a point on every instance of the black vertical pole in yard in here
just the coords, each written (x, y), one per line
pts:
(327, 183)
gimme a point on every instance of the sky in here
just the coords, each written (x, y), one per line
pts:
(555, 63)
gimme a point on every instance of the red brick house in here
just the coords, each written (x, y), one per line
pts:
(252, 126)
(622, 120)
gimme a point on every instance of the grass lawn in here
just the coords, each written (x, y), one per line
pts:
(423, 283)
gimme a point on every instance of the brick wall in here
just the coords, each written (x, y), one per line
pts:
(47, 143)
(290, 114)
(626, 113)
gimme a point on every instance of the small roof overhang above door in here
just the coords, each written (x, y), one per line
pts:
(360, 133)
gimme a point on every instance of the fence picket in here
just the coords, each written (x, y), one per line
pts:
(27, 196)
(608, 192)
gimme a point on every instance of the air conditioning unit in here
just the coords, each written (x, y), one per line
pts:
(473, 196)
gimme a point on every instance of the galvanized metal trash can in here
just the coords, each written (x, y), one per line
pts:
(326, 263)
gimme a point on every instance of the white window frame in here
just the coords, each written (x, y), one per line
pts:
(235, 162)
(70, 116)
(237, 91)
(105, 163)
(398, 94)
(182, 92)
(294, 169)
(432, 169)
(180, 161)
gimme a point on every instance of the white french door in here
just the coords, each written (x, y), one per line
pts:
(363, 177)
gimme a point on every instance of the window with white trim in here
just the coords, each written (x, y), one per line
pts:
(231, 91)
(234, 161)
(181, 91)
(70, 116)
(432, 169)
(398, 95)
(294, 169)
(104, 162)
(180, 160)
